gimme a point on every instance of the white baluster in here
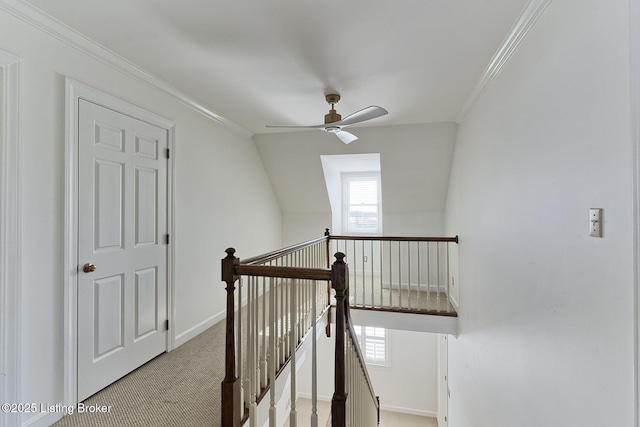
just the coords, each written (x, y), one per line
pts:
(448, 279)
(240, 361)
(372, 279)
(409, 275)
(251, 367)
(428, 276)
(273, 336)
(438, 273)
(288, 319)
(264, 353)
(399, 276)
(293, 416)
(255, 336)
(419, 275)
(279, 319)
(363, 275)
(381, 273)
(314, 363)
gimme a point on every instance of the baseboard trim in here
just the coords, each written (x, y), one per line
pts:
(198, 329)
(44, 419)
(420, 412)
(454, 302)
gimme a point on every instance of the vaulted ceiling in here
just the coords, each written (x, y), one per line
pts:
(272, 61)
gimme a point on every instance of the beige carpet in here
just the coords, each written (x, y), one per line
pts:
(180, 388)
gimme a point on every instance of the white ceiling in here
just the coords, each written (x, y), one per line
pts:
(272, 61)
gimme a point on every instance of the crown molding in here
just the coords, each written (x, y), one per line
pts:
(518, 32)
(62, 32)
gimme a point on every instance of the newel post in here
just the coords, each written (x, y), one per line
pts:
(231, 384)
(339, 282)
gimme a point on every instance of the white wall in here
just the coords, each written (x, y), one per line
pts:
(546, 312)
(414, 161)
(408, 385)
(212, 165)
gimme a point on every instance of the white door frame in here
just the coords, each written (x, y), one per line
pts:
(443, 380)
(74, 92)
(10, 243)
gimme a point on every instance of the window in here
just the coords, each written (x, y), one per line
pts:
(362, 203)
(373, 343)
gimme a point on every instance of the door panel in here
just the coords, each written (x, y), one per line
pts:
(146, 206)
(146, 308)
(122, 211)
(108, 315)
(109, 212)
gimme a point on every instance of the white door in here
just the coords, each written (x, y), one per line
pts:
(122, 226)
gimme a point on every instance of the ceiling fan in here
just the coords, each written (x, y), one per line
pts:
(334, 123)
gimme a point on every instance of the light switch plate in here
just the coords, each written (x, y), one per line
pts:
(595, 222)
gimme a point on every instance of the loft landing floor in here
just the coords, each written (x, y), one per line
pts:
(371, 291)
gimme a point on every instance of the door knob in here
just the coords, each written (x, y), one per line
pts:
(88, 268)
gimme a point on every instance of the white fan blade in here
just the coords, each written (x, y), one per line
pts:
(360, 116)
(345, 136)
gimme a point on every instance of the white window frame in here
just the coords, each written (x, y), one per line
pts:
(348, 177)
(364, 338)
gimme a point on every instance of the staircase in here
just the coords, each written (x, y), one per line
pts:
(276, 301)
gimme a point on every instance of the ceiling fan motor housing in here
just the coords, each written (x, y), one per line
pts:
(333, 116)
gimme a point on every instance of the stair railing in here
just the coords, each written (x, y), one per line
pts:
(279, 296)
(354, 402)
(275, 307)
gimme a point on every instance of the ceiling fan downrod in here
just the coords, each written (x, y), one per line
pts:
(333, 116)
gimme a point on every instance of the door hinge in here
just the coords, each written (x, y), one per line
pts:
(166, 325)
(166, 239)
(168, 153)
(445, 418)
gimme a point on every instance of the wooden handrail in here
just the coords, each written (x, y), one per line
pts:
(278, 253)
(283, 272)
(397, 238)
(269, 256)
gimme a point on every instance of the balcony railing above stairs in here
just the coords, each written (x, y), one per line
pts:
(281, 295)
(400, 274)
